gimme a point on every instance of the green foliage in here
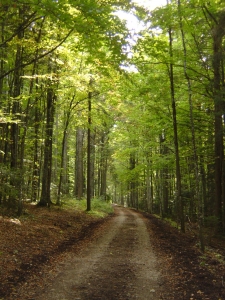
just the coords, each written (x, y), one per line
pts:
(62, 45)
(171, 222)
(100, 208)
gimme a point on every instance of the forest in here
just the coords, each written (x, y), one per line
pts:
(91, 109)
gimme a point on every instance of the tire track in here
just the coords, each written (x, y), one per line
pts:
(120, 264)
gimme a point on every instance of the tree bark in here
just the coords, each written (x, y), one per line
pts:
(218, 34)
(79, 173)
(63, 164)
(194, 147)
(103, 165)
(89, 169)
(16, 175)
(45, 199)
(92, 164)
(175, 131)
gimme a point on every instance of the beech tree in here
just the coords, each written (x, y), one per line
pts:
(36, 34)
(154, 128)
(193, 72)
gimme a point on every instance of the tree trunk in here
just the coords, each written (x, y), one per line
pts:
(103, 165)
(218, 35)
(194, 147)
(176, 146)
(16, 176)
(89, 169)
(148, 188)
(133, 182)
(92, 165)
(79, 175)
(163, 179)
(45, 199)
(63, 165)
(36, 165)
(37, 119)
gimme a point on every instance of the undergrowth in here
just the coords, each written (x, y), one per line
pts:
(99, 208)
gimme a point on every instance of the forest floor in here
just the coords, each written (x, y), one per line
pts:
(128, 255)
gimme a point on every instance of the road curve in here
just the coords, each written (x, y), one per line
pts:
(119, 264)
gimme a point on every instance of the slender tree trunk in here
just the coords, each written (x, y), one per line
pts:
(176, 146)
(36, 165)
(2, 49)
(65, 178)
(63, 164)
(194, 147)
(2, 125)
(92, 165)
(37, 119)
(148, 188)
(133, 183)
(218, 34)
(45, 199)
(79, 173)
(16, 176)
(164, 175)
(89, 171)
(103, 165)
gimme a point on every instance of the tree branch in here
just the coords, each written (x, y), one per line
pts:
(22, 26)
(36, 58)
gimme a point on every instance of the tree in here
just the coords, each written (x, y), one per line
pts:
(45, 199)
(79, 174)
(43, 38)
(89, 158)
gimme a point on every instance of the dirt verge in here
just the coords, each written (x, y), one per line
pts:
(32, 246)
(187, 273)
(33, 252)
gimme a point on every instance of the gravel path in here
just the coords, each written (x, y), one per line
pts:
(119, 264)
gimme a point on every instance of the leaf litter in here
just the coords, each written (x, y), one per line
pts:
(30, 248)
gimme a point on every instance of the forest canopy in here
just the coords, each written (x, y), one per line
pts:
(91, 109)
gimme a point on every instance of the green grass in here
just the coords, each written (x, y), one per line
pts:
(171, 222)
(99, 208)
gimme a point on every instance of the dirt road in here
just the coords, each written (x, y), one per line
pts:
(66, 255)
(119, 264)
